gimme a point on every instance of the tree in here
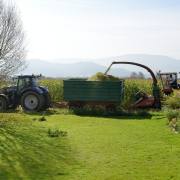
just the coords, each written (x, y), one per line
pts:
(12, 38)
(134, 75)
(138, 75)
(141, 75)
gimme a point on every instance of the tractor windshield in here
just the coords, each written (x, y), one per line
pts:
(26, 82)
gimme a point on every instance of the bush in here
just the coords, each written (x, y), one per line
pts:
(173, 102)
(42, 118)
(173, 116)
(56, 133)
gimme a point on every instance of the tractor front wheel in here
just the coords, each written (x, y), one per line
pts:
(3, 104)
(32, 101)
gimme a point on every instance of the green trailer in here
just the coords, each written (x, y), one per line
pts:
(80, 92)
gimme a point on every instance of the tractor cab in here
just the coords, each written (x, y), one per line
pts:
(169, 81)
(26, 81)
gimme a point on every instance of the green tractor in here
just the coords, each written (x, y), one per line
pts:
(27, 93)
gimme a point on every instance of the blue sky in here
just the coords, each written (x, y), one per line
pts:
(100, 28)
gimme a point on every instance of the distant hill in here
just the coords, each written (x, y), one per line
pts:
(86, 68)
(81, 69)
(155, 62)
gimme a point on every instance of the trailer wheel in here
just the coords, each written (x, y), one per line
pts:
(3, 104)
(32, 101)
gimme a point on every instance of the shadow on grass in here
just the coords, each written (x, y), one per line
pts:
(29, 153)
(49, 112)
(138, 115)
(121, 115)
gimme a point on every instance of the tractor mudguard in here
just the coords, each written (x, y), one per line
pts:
(35, 89)
(47, 96)
(45, 90)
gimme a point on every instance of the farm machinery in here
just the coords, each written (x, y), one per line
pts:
(169, 81)
(26, 92)
(78, 92)
(142, 99)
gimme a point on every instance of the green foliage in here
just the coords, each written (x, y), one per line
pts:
(55, 87)
(173, 101)
(171, 114)
(56, 133)
(173, 119)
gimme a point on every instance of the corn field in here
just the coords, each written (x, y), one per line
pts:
(55, 87)
(132, 86)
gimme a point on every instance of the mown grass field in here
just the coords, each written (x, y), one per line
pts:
(95, 148)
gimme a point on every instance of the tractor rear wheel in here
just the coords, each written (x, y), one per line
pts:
(32, 101)
(3, 104)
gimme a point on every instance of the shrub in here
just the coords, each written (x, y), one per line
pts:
(173, 102)
(42, 118)
(173, 116)
(56, 133)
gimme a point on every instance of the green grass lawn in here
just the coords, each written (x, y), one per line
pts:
(95, 148)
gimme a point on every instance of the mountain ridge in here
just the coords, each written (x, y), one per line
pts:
(86, 68)
(79, 69)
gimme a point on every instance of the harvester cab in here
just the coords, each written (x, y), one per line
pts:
(142, 99)
(169, 81)
(26, 92)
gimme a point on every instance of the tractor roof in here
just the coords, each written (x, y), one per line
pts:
(29, 76)
(168, 73)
